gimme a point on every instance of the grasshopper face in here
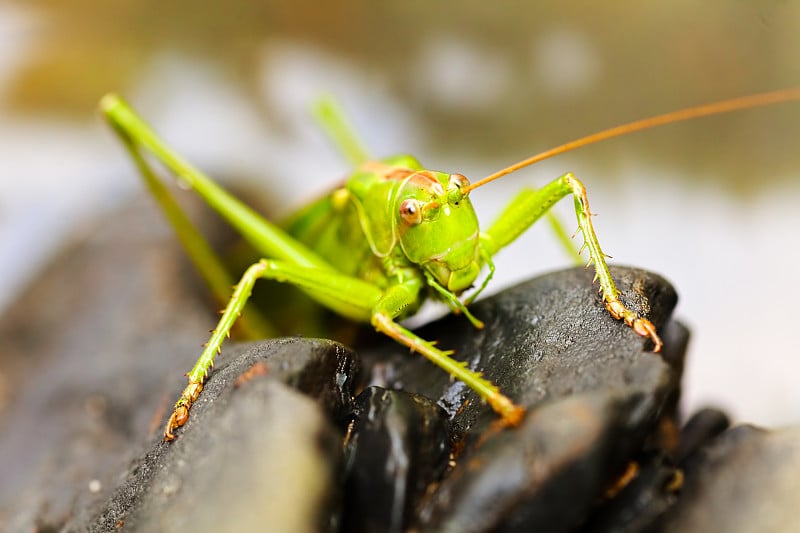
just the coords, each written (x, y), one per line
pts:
(438, 228)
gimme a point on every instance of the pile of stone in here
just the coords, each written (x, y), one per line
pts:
(307, 435)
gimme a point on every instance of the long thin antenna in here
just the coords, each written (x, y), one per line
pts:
(716, 108)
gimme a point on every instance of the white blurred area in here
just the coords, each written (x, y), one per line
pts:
(733, 260)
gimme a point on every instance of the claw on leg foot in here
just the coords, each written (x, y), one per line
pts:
(645, 328)
(640, 325)
(181, 412)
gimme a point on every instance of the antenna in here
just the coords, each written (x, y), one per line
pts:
(716, 108)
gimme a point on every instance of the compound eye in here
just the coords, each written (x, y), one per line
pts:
(459, 181)
(456, 187)
(410, 212)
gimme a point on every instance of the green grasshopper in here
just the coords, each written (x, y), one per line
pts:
(410, 234)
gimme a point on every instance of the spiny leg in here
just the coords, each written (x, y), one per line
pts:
(198, 373)
(395, 299)
(618, 310)
(205, 259)
(347, 295)
(530, 205)
(269, 239)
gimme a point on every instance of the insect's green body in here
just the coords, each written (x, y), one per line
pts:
(372, 250)
(391, 236)
(439, 245)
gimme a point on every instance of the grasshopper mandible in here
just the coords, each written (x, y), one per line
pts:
(410, 234)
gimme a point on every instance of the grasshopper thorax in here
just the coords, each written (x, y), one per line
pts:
(437, 227)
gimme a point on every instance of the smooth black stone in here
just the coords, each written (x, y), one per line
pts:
(586, 379)
(399, 444)
(546, 474)
(544, 339)
(747, 479)
(642, 502)
(655, 486)
(256, 453)
(91, 352)
(322, 369)
(701, 429)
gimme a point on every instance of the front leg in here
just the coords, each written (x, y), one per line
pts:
(398, 297)
(530, 205)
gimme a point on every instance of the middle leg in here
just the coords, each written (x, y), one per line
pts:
(349, 296)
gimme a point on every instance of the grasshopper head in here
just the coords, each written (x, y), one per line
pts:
(438, 229)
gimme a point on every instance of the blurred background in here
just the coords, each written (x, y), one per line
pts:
(468, 87)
